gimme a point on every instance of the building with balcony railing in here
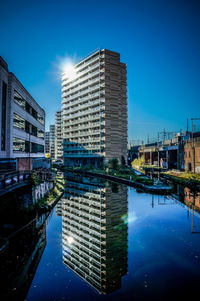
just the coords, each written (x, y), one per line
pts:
(50, 142)
(94, 110)
(58, 136)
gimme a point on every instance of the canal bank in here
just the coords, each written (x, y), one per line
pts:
(18, 208)
(188, 179)
(155, 189)
(49, 200)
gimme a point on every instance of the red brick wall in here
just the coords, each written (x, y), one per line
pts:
(189, 153)
(24, 164)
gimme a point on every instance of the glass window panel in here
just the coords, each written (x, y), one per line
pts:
(27, 146)
(19, 100)
(18, 145)
(27, 127)
(28, 108)
(37, 148)
(34, 130)
(40, 134)
(18, 122)
(40, 119)
(34, 113)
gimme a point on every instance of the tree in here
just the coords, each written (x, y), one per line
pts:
(114, 163)
(123, 161)
(137, 163)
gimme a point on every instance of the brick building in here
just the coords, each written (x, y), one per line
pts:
(192, 155)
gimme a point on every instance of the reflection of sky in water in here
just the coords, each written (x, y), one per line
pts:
(161, 244)
(163, 256)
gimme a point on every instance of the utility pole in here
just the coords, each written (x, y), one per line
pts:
(164, 134)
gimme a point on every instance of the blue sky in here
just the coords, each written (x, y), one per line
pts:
(158, 40)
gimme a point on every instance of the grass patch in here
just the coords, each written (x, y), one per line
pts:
(186, 178)
(121, 172)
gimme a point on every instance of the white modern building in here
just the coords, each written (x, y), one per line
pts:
(94, 110)
(22, 123)
(58, 136)
(47, 143)
(50, 142)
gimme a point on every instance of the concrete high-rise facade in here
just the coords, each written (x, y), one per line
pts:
(58, 136)
(50, 142)
(47, 143)
(22, 123)
(94, 110)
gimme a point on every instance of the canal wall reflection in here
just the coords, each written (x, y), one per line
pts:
(95, 231)
(190, 200)
(19, 259)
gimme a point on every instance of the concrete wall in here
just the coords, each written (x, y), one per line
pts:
(115, 107)
(40, 190)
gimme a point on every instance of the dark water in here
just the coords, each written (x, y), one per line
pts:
(107, 241)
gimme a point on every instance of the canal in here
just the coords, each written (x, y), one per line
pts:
(108, 241)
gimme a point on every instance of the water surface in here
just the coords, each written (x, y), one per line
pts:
(107, 241)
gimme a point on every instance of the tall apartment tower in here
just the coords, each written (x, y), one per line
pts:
(94, 108)
(52, 140)
(58, 136)
(47, 143)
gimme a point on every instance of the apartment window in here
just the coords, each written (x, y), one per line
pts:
(27, 127)
(37, 148)
(20, 145)
(3, 117)
(34, 131)
(40, 134)
(28, 108)
(19, 100)
(40, 119)
(34, 113)
(18, 122)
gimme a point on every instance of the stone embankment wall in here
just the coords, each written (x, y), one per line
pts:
(40, 190)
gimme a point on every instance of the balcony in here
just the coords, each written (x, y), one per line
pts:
(78, 92)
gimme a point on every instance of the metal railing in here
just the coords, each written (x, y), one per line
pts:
(15, 177)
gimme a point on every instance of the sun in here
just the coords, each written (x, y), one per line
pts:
(69, 71)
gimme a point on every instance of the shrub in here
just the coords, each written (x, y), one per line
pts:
(123, 161)
(113, 164)
(137, 163)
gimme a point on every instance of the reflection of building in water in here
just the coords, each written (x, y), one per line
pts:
(20, 258)
(59, 208)
(95, 233)
(190, 200)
